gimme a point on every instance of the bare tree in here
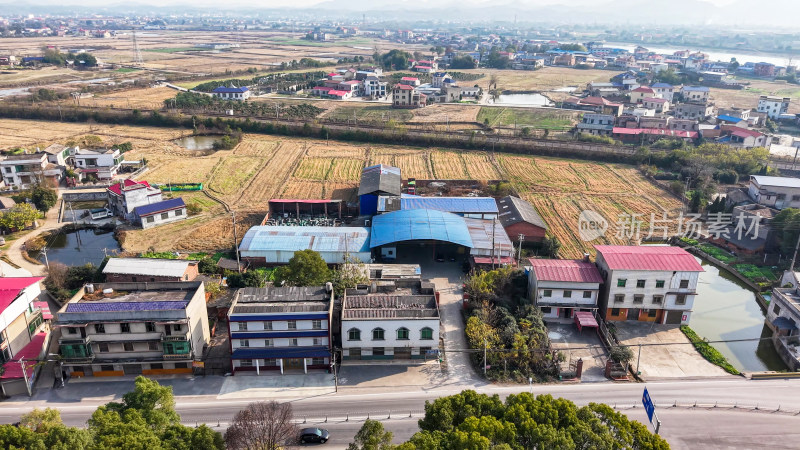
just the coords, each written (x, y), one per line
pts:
(261, 426)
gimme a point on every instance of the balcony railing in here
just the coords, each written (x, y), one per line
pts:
(174, 338)
(74, 339)
(169, 357)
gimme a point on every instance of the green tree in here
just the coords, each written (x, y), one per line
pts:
(41, 420)
(44, 198)
(154, 402)
(463, 62)
(306, 268)
(85, 60)
(19, 217)
(372, 436)
(348, 275)
(621, 354)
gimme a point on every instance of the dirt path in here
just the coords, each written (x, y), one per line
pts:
(14, 252)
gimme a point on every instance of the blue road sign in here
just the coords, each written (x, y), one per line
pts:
(431, 352)
(648, 405)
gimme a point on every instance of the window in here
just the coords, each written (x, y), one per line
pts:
(567, 294)
(587, 294)
(178, 212)
(619, 298)
(164, 216)
(127, 346)
(776, 309)
(99, 328)
(378, 351)
(316, 324)
(684, 284)
(267, 325)
(638, 298)
(615, 311)
(317, 341)
(246, 363)
(156, 366)
(796, 198)
(317, 361)
(292, 324)
(652, 313)
(546, 309)
(781, 197)
(640, 283)
(102, 347)
(270, 362)
(621, 282)
(125, 327)
(72, 330)
(377, 334)
(150, 327)
(547, 293)
(658, 299)
(181, 365)
(176, 327)
(402, 334)
(151, 219)
(659, 283)
(293, 342)
(680, 299)
(269, 343)
(242, 326)
(152, 346)
(106, 368)
(244, 342)
(426, 334)
(354, 334)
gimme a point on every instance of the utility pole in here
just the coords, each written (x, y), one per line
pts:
(44, 252)
(484, 358)
(335, 376)
(521, 240)
(638, 358)
(794, 256)
(236, 243)
(493, 245)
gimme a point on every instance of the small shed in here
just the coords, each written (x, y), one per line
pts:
(271, 245)
(377, 180)
(519, 217)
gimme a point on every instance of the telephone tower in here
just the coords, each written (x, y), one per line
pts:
(137, 53)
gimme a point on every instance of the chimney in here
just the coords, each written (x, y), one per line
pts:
(585, 257)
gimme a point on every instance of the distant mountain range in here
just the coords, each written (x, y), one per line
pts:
(744, 13)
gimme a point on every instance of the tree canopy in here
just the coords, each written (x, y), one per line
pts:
(306, 268)
(463, 62)
(44, 197)
(261, 425)
(393, 60)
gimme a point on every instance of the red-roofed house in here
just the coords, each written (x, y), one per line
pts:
(410, 81)
(20, 322)
(742, 137)
(641, 93)
(321, 90)
(125, 196)
(404, 96)
(339, 95)
(560, 287)
(596, 104)
(649, 283)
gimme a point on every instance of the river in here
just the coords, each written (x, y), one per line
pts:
(716, 55)
(726, 309)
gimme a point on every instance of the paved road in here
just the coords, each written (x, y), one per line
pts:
(14, 252)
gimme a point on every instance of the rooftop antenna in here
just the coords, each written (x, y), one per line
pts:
(137, 53)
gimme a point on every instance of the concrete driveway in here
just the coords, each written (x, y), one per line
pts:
(586, 346)
(666, 352)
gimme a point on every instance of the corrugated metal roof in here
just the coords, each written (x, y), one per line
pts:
(101, 306)
(390, 307)
(763, 180)
(648, 257)
(320, 239)
(569, 270)
(514, 210)
(480, 232)
(380, 178)
(10, 287)
(147, 266)
(451, 204)
(155, 208)
(419, 224)
(282, 294)
(30, 353)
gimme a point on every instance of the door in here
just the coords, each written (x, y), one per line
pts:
(132, 369)
(633, 314)
(674, 317)
(355, 353)
(566, 312)
(168, 330)
(402, 353)
(294, 364)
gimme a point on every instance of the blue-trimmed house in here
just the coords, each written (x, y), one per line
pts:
(286, 329)
(231, 93)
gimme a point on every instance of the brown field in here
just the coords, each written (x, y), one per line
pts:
(545, 79)
(147, 98)
(264, 167)
(748, 97)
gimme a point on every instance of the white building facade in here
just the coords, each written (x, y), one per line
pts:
(561, 287)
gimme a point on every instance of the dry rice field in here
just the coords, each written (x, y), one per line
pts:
(265, 167)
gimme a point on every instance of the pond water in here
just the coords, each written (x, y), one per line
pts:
(79, 247)
(523, 99)
(725, 309)
(197, 142)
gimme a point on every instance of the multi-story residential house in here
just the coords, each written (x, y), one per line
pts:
(232, 93)
(149, 328)
(559, 287)
(773, 107)
(22, 333)
(775, 192)
(783, 317)
(404, 96)
(695, 94)
(683, 124)
(664, 90)
(103, 164)
(125, 196)
(60, 155)
(26, 170)
(641, 93)
(374, 88)
(400, 321)
(695, 111)
(659, 105)
(764, 69)
(650, 283)
(742, 137)
(287, 329)
(132, 270)
(597, 124)
(163, 212)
